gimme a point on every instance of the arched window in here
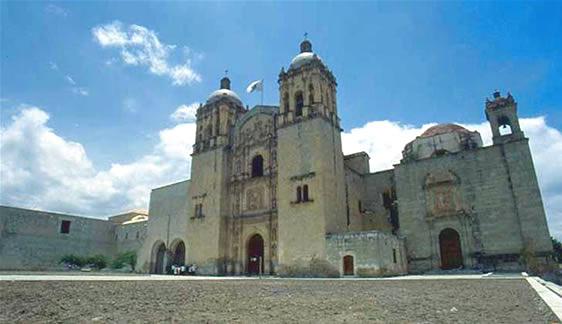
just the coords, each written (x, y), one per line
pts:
(299, 194)
(299, 103)
(310, 94)
(305, 193)
(257, 166)
(286, 102)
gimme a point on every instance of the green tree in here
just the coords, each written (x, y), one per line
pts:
(129, 258)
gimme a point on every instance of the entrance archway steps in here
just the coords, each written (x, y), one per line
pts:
(553, 300)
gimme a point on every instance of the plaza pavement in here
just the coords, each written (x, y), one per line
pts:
(550, 293)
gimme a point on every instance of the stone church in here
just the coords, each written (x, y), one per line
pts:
(271, 192)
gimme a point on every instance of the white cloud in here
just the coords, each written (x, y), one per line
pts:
(81, 91)
(56, 10)
(140, 46)
(185, 113)
(384, 141)
(74, 87)
(70, 80)
(130, 105)
(40, 169)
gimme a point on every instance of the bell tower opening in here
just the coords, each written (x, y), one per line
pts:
(501, 113)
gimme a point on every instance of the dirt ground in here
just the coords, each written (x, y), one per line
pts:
(251, 301)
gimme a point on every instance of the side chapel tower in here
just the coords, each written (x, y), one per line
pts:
(311, 194)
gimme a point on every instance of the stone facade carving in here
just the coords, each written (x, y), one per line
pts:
(254, 199)
(442, 194)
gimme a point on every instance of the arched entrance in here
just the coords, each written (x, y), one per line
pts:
(450, 247)
(179, 254)
(158, 255)
(255, 255)
(348, 269)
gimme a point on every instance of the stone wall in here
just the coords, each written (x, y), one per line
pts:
(375, 215)
(130, 237)
(374, 253)
(169, 212)
(309, 153)
(490, 196)
(355, 199)
(32, 240)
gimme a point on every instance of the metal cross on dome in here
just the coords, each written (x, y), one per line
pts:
(305, 36)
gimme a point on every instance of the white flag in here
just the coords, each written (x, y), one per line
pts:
(255, 86)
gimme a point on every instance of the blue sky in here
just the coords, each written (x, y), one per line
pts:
(408, 63)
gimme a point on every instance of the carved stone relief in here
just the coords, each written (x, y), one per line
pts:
(254, 198)
(442, 194)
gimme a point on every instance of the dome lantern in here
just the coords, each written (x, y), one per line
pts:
(306, 46)
(225, 83)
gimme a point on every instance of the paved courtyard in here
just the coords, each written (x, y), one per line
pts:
(476, 299)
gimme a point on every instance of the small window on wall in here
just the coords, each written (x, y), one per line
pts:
(299, 103)
(126, 236)
(198, 211)
(394, 255)
(305, 193)
(65, 227)
(302, 194)
(359, 206)
(137, 235)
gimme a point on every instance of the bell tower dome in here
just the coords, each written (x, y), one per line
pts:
(307, 89)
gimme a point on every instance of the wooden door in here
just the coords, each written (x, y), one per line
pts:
(348, 265)
(255, 255)
(450, 247)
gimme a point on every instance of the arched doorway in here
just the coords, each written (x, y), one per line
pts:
(255, 255)
(179, 254)
(450, 247)
(158, 255)
(348, 268)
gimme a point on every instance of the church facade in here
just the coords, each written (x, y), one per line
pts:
(271, 192)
